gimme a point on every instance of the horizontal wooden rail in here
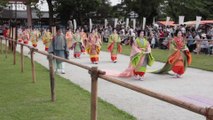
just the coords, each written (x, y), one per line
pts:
(208, 112)
(189, 106)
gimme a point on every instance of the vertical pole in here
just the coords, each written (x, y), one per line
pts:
(1, 47)
(94, 76)
(11, 37)
(32, 64)
(29, 16)
(14, 53)
(14, 46)
(22, 58)
(52, 77)
(6, 49)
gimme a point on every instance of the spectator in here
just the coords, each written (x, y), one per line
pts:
(198, 43)
(210, 47)
(204, 44)
(106, 35)
(6, 32)
(191, 42)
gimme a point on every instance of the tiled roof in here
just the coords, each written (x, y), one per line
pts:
(22, 14)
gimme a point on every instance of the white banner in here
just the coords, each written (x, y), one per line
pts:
(167, 20)
(75, 24)
(14, 33)
(90, 25)
(127, 23)
(116, 22)
(181, 20)
(10, 33)
(105, 23)
(153, 22)
(134, 23)
(144, 23)
(54, 30)
(198, 19)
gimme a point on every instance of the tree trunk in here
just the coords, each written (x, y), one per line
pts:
(50, 5)
(29, 16)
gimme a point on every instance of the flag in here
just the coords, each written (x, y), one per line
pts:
(144, 23)
(181, 20)
(167, 20)
(14, 33)
(105, 23)
(127, 23)
(90, 25)
(198, 19)
(153, 22)
(116, 22)
(134, 23)
(75, 24)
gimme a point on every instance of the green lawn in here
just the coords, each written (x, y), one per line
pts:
(20, 99)
(201, 61)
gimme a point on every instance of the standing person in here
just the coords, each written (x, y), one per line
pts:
(84, 40)
(179, 58)
(94, 46)
(59, 48)
(161, 38)
(20, 35)
(105, 35)
(142, 56)
(77, 45)
(191, 42)
(152, 39)
(25, 36)
(114, 46)
(69, 37)
(6, 32)
(34, 37)
(46, 38)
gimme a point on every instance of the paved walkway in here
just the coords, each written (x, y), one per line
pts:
(195, 86)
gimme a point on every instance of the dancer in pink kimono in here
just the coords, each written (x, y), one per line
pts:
(140, 57)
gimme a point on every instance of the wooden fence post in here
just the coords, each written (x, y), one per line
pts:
(14, 53)
(1, 47)
(94, 76)
(33, 64)
(209, 113)
(22, 58)
(52, 77)
(6, 49)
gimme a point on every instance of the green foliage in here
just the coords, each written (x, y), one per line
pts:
(82, 10)
(188, 8)
(20, 99)
(144, 8)
(3, 4)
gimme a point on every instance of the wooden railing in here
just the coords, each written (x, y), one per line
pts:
(95, 74)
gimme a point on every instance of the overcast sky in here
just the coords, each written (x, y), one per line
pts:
(115, 2)
(45, 8)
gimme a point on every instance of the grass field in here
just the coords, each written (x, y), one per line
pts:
(201, 61)
(20, 99)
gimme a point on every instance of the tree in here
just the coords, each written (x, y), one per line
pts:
(3, 4)
(189, 8)
(208, 6)
(144, 8)
(82, 10)
(51, 13)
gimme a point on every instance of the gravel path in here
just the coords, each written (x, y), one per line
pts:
(195, 86)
